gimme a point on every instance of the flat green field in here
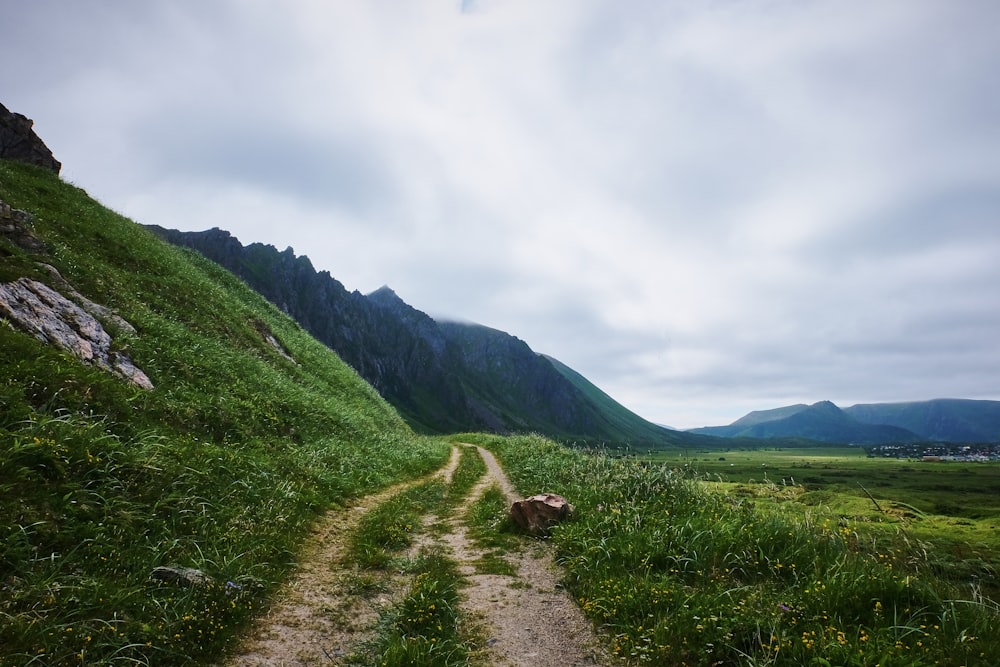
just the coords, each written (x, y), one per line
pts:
(950, 510)
(965, 490)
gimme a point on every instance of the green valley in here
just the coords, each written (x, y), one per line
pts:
(160, 523)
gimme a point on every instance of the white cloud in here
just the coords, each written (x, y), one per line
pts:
(703, 208)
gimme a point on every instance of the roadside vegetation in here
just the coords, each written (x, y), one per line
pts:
(220, 468)
(948, 510)
(678, 571)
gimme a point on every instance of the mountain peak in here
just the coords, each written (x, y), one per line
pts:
(774, 414)
(825, 406)
(386, 297)
(383, 292)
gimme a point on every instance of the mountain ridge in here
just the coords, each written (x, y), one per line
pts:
(944, 419)
(443, 376)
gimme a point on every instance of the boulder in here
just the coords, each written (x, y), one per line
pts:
(539, 513)
(52, 318)
(19, 142)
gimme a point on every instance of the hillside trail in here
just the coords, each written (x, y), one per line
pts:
(319, 617)
(530, 619)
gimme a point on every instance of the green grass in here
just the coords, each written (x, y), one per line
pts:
(470, 469)
(427, 627)
(952, 506)
(968, 490)
(492, 530)
(677, 572)
(221, 467)
(390, 527)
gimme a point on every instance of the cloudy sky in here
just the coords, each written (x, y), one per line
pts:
(706, 207)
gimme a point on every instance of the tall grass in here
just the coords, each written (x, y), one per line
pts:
(91, 515)
(676, 574)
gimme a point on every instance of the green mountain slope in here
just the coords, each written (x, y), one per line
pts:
(763, 416)
(938, 420)
(250, 429)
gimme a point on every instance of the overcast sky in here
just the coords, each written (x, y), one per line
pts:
(705, 207)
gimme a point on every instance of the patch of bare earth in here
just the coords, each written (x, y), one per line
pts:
(529, 619)
(329, 606)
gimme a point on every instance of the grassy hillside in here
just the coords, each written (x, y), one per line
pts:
(220, 467)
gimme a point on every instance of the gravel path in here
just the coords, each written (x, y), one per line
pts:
(319, 617)
(530, 619)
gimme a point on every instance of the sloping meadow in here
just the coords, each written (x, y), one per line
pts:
(250, 430)
(677, 573)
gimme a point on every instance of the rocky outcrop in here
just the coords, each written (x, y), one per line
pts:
(16, 225)
(61, 316)
(19, 142)
(538, 514)
(52, 318)
(397, 349)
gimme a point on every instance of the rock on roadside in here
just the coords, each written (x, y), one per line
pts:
(539, 513)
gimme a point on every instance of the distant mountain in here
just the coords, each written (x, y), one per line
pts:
(762, 416)
(822, 421)
(942, 419)
(443, 377)
(938, 420)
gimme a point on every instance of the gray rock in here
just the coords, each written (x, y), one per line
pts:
(52, 318)
(16, 225)
(97, 310)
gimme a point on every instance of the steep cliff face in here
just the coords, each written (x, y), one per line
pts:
(510, 379)
(443, 377)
